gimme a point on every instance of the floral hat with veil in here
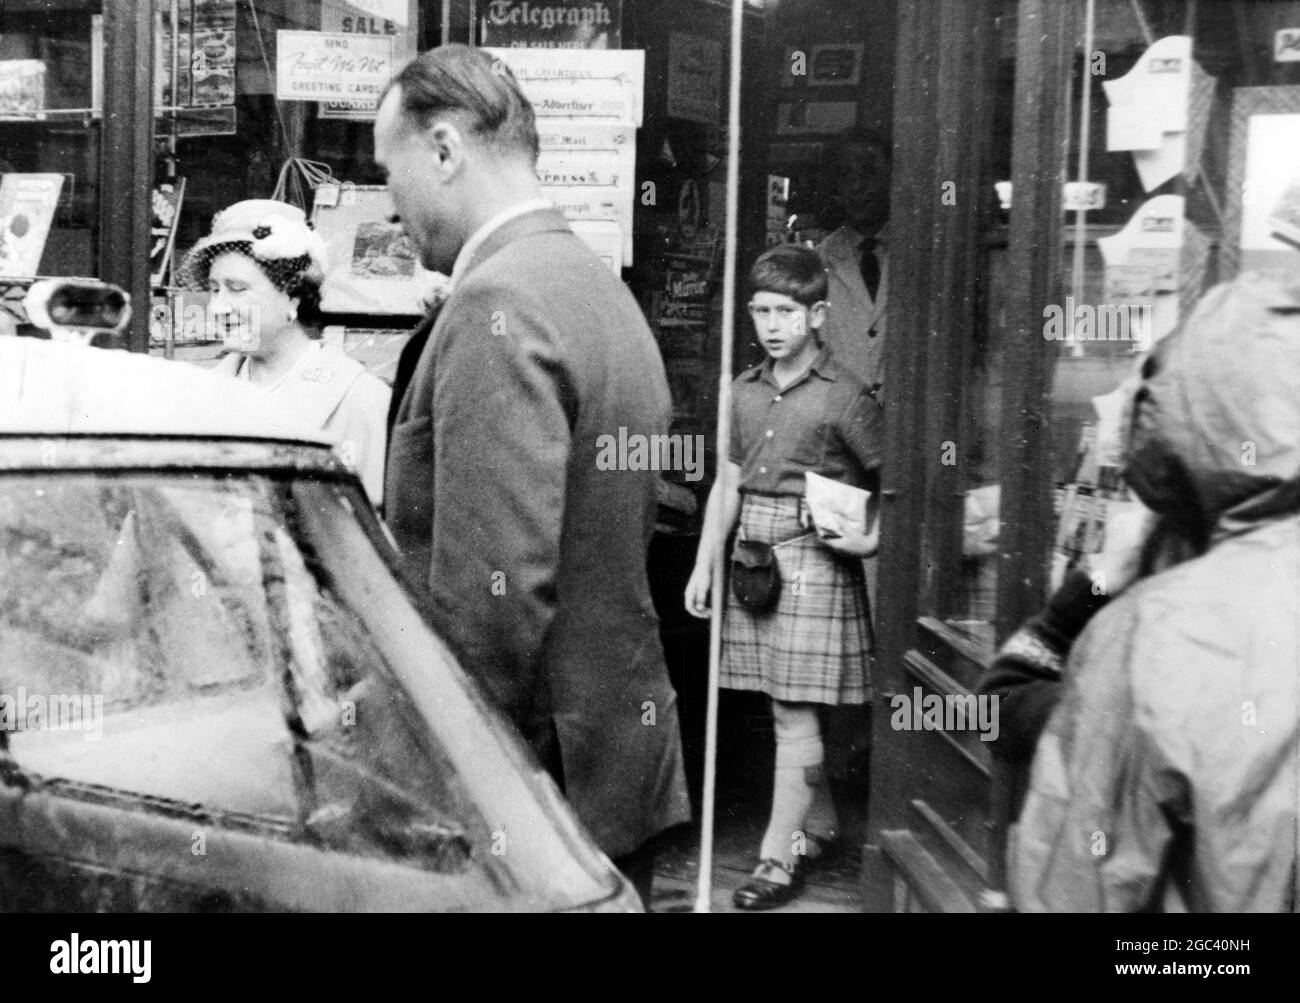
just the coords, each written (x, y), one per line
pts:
(274, 234)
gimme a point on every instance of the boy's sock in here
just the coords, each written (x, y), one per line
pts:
(798, 747)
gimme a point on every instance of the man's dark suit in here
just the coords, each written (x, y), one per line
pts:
(534, 557)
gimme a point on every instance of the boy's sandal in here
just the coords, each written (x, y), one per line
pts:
(761, 893)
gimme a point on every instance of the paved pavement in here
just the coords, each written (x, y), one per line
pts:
(737, 835)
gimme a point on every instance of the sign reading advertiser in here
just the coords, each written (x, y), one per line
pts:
(559, 24)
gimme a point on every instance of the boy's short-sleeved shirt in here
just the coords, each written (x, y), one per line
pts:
(827, 421)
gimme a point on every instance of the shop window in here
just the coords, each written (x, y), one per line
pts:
(1135, 262)
(49, 140)
(1163, 80)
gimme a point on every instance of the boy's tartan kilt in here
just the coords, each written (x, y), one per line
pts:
(814, 645)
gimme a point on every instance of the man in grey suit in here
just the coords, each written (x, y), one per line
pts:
(533, 558)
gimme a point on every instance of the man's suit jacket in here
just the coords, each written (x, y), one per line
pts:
(855, 323)
(533, 556)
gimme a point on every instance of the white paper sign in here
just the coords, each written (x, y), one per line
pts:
(1150, 108)
(1084, 196)
(588, 104)
(594, 84)
(1267, 191)
(1138, 259)
(605, 238)
(1286, 46)
(1160, 83)
(330, 66)
(1132, 127)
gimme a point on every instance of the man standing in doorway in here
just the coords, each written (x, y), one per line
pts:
(856, 195)
(533, 558)
(854, 254)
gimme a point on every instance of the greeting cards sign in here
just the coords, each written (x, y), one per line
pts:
(328, 66)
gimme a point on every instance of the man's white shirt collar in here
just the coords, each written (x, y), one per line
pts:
(480, 235)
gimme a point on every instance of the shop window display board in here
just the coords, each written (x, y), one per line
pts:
(372, 263)
(1262, 218)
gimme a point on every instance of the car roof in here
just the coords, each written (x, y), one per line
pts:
(54, 388)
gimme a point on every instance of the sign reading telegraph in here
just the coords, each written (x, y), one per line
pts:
(559, 24)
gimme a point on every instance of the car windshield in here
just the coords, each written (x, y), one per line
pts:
(228, 650)
(169, 638)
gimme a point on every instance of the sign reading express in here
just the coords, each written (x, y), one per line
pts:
(323, 66)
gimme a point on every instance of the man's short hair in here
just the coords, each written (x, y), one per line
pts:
(790, 270)
(477, 88)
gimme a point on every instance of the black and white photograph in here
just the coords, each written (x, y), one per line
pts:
(774, 457)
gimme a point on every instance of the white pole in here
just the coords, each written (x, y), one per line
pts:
(1085, 124)
(704, 893)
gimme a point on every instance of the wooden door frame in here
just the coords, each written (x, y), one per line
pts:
(945, 87)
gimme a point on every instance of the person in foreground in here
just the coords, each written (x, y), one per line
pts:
(532, 557)
(1166, 777)
(797, 412)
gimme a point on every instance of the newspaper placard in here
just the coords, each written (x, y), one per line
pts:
(559, 24)
(588, 105)
(593, 84)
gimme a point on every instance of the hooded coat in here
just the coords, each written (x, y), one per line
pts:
(1171, 763)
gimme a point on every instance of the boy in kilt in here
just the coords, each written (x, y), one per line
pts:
(798, 411)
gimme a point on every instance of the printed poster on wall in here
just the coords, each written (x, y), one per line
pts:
(194, 67)
(27, 204)
(394, 19)
(22, 88)
(198, 54)
(372, 263)
(694, 78)
(560, 24)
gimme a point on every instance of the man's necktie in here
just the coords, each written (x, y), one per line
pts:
(870, 267)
